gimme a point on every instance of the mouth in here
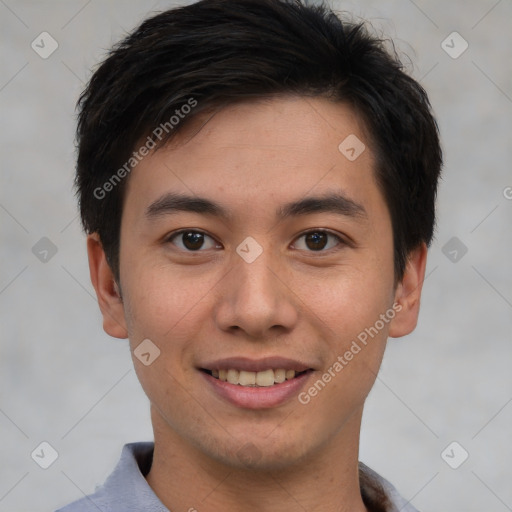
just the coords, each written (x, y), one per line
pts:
(256, 384)
(265, 378)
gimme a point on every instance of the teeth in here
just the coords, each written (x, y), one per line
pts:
(247, 378)
(279, 376)
(265, 378)
(254, 379)
(233, 376)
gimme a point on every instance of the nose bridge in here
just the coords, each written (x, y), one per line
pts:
(253, 297)
(254, 280)
(257, 277)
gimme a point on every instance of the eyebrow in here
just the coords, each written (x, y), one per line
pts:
(332, 202)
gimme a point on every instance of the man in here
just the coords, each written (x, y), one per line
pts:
(257, 180)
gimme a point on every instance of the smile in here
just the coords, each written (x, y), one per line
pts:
(255, 384)
(263, 378)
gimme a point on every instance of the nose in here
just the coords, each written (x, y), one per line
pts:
(255, 299)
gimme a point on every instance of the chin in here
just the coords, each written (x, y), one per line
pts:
(260, 455)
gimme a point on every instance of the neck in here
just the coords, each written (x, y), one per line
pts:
(186, 479)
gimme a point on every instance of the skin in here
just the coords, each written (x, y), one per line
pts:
(292, 301)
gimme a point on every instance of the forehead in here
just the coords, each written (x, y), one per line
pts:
(261, 153)
(277, 125)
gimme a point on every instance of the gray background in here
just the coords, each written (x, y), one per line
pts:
(64, 381)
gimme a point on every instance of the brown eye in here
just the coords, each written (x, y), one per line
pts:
(192, 240)
(318, 241)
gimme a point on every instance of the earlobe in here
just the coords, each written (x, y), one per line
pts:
(408, 293)
(107, 290)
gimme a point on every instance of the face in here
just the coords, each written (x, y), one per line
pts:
(256, 251)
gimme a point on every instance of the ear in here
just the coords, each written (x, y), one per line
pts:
(408, 293)
(107, 291)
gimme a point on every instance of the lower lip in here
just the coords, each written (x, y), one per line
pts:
(263, 397)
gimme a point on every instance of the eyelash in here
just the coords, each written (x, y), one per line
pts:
(338, 238)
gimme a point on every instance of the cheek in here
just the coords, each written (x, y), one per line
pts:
(164, 313)
(348, 299)
(159, 298)
(354, 308)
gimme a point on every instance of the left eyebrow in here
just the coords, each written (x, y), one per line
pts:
(328, 203)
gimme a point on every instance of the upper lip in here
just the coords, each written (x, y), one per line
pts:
(256, 365)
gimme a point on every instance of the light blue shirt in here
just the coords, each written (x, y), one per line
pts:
(126, 489)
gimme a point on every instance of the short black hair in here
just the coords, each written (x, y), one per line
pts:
(202, 56)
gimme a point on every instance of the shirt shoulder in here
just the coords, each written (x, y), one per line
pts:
(397, 502)
(126, 489)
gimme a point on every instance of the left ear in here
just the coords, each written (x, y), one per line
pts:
(408, 293)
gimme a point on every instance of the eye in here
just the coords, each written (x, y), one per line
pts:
(318, 240)
(191, 240)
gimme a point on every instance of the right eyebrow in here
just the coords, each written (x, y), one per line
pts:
(174, 202)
